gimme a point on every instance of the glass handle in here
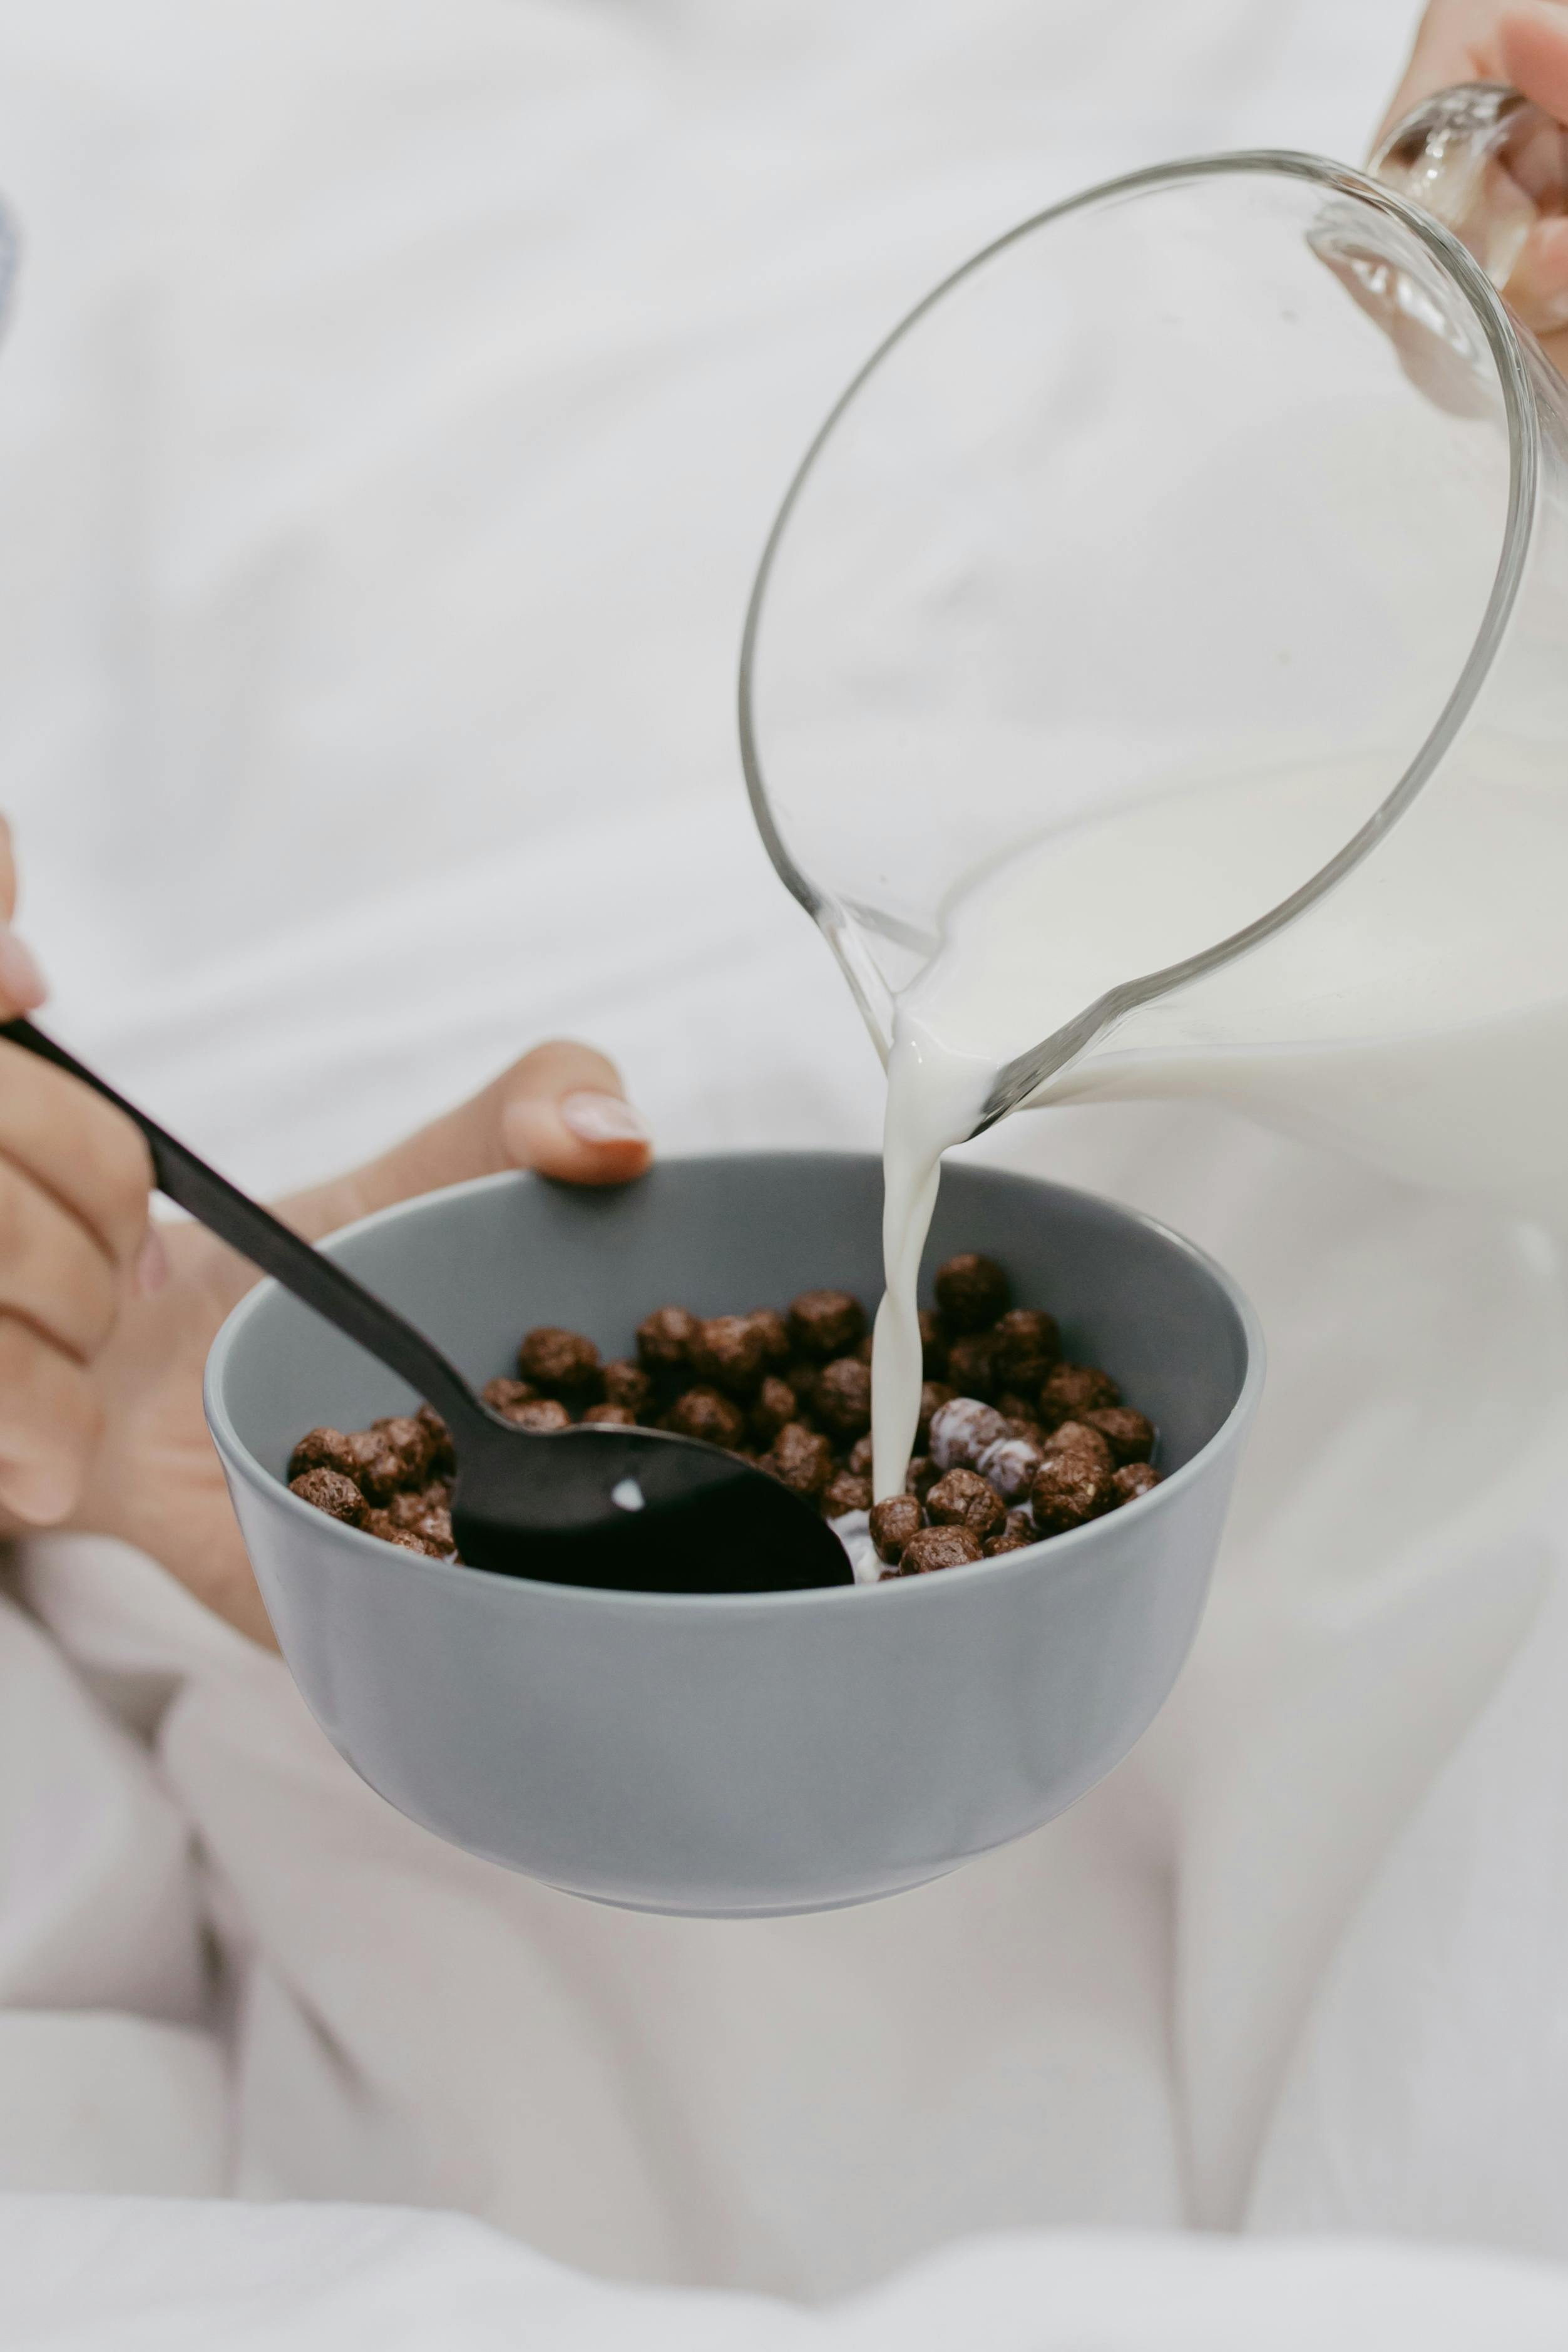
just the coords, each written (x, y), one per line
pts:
(1489, 164)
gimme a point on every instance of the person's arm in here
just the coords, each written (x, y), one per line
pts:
(106, 1319)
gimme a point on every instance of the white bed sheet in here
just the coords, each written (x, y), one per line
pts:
(122, 2275)
(396, 403)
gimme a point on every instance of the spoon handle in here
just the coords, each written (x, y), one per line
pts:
(261, 1237)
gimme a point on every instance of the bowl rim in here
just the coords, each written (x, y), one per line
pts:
(1053, 1555)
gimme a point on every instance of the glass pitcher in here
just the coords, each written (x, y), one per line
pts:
(1183, 584)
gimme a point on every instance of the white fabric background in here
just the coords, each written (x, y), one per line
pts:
(396, 402)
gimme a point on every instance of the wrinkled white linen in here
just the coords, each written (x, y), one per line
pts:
(396, 403)
(136, 2278)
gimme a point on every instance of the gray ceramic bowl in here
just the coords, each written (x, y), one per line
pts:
(769, 1752)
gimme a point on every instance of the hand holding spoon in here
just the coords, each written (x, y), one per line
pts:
(636, 1510)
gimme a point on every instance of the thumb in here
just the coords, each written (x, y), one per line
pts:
(563, 1110)
(560, 1109)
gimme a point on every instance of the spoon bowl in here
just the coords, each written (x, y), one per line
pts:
(639, 1510)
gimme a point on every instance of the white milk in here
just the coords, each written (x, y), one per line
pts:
(1417, 1014)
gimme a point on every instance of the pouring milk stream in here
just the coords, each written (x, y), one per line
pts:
(1157, 677)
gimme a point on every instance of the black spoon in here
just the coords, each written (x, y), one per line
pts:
(637, 1511)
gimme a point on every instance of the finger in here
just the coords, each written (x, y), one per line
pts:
(76, 1147)
(560, 1109)
(49, 1423)
(1537, 285)
(53, 1272)
(564, 1112)
(22, 986)
(1532, 44)
(1458, 41)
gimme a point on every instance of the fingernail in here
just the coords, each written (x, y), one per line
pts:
(603, 1119)
(21, 981)
(152, 1266)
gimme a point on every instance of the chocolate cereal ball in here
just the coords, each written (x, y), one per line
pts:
(860, 1460)
(1129, 1435)
(541, 1414)
(382, 1526)
(1069, 1390)
(704, 1413)
(1071, 1490)
(845, 1492)
(825, 1323)
(800, 1458)
(1012, 1466)
(774, 1404)
(410, 1510)
(969, 1369)
(921, 1477)
(665, 1339)
(324, 1449)
(971, 1292)
(893, 1523)
(729, 1352)
(935, 1548)
(443, 1460)
(419, 1516)
(1015, 1534)
(933, 1395)
(330, 1491)
(412, 1442)
(842, 1398)
(407, 1508)
(1134, 1478)
(561, 1363)
(609, 1417)
(962, 1498)
(774, 1335)
(800, 1374)
(1077, 1437)
(436, 1531)
(1025, 1343)
(960, 1431)
(627, 1383)
(504, 1396)
(379, 1469)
